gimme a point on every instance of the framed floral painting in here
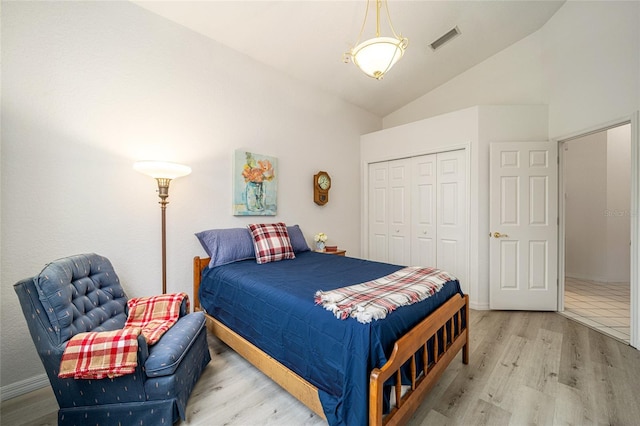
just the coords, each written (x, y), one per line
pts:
(255, 184)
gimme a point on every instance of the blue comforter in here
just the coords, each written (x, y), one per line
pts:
(272, 306)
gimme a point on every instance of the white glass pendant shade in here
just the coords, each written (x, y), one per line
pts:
(376, 56)
(162, 169)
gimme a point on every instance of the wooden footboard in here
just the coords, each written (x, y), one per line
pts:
(437, 339)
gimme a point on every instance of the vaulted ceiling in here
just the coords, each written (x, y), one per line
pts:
(306, 39)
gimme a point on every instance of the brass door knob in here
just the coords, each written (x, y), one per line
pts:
(499, 235)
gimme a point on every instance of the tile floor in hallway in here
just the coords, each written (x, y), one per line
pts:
(602, 306)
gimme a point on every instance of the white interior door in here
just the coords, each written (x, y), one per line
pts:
(523, 215)
(452, 214)
(378, 214)
(423, 209)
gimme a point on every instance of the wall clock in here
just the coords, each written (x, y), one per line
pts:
(321, 186)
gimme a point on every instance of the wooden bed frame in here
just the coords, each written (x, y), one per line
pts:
(445, 322)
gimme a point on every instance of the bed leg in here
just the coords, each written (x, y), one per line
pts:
(465, 348)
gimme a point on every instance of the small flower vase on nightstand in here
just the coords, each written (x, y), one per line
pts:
(320, 245)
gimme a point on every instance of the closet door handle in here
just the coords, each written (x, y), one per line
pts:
(499, 235)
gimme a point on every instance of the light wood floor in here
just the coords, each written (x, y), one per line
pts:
(526, 368)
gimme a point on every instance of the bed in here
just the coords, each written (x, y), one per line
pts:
(346, 372)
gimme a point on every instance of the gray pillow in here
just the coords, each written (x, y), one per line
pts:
(298, 242)
(227, 245)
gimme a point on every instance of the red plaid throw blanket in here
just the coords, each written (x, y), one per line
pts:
(154, 315)
(96, 355)
(374, 299)
(100, 354)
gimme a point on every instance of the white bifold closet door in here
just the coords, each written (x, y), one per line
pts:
(418, 211)
(390, 211)
(424, 244)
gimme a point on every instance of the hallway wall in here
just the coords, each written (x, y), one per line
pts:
(597, 190)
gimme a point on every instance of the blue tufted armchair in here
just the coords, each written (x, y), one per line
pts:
(82, 293)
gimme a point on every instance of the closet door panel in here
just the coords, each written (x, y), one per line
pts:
(448, 255)
(423, 209)
(399, 212)
(451, 217)
(378, 211)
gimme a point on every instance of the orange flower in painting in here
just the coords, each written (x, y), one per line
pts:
(251, 174)
(267, 169)
(257, 171)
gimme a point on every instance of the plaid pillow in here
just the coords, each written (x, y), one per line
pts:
(271, 241)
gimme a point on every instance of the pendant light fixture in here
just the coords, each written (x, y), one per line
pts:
(377, 55)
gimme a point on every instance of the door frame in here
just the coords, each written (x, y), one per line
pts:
(634, 216)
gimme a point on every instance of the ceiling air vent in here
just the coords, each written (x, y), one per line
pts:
(451, 34)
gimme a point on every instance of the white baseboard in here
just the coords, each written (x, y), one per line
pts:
(479, 306)
(24, 386)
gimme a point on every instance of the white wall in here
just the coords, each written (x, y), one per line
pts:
(511, 77)
(90, 87)
(597, 205)
(591, 64)
(584, 63)
(585, 177)
(618, 212)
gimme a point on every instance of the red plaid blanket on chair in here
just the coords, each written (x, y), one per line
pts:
(96, 355)
(375, 299)
(100, 354)
(154, 315)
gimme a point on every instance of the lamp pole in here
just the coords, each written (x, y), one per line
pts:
(163, 193)
(163, 172)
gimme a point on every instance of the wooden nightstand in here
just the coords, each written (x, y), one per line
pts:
(338, 252)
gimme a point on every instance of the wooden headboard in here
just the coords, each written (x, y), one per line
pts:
(199, 264)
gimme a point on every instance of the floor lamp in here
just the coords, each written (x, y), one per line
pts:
(163, 172)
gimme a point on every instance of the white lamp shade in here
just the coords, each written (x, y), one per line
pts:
(161, 169)
(376, 56)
